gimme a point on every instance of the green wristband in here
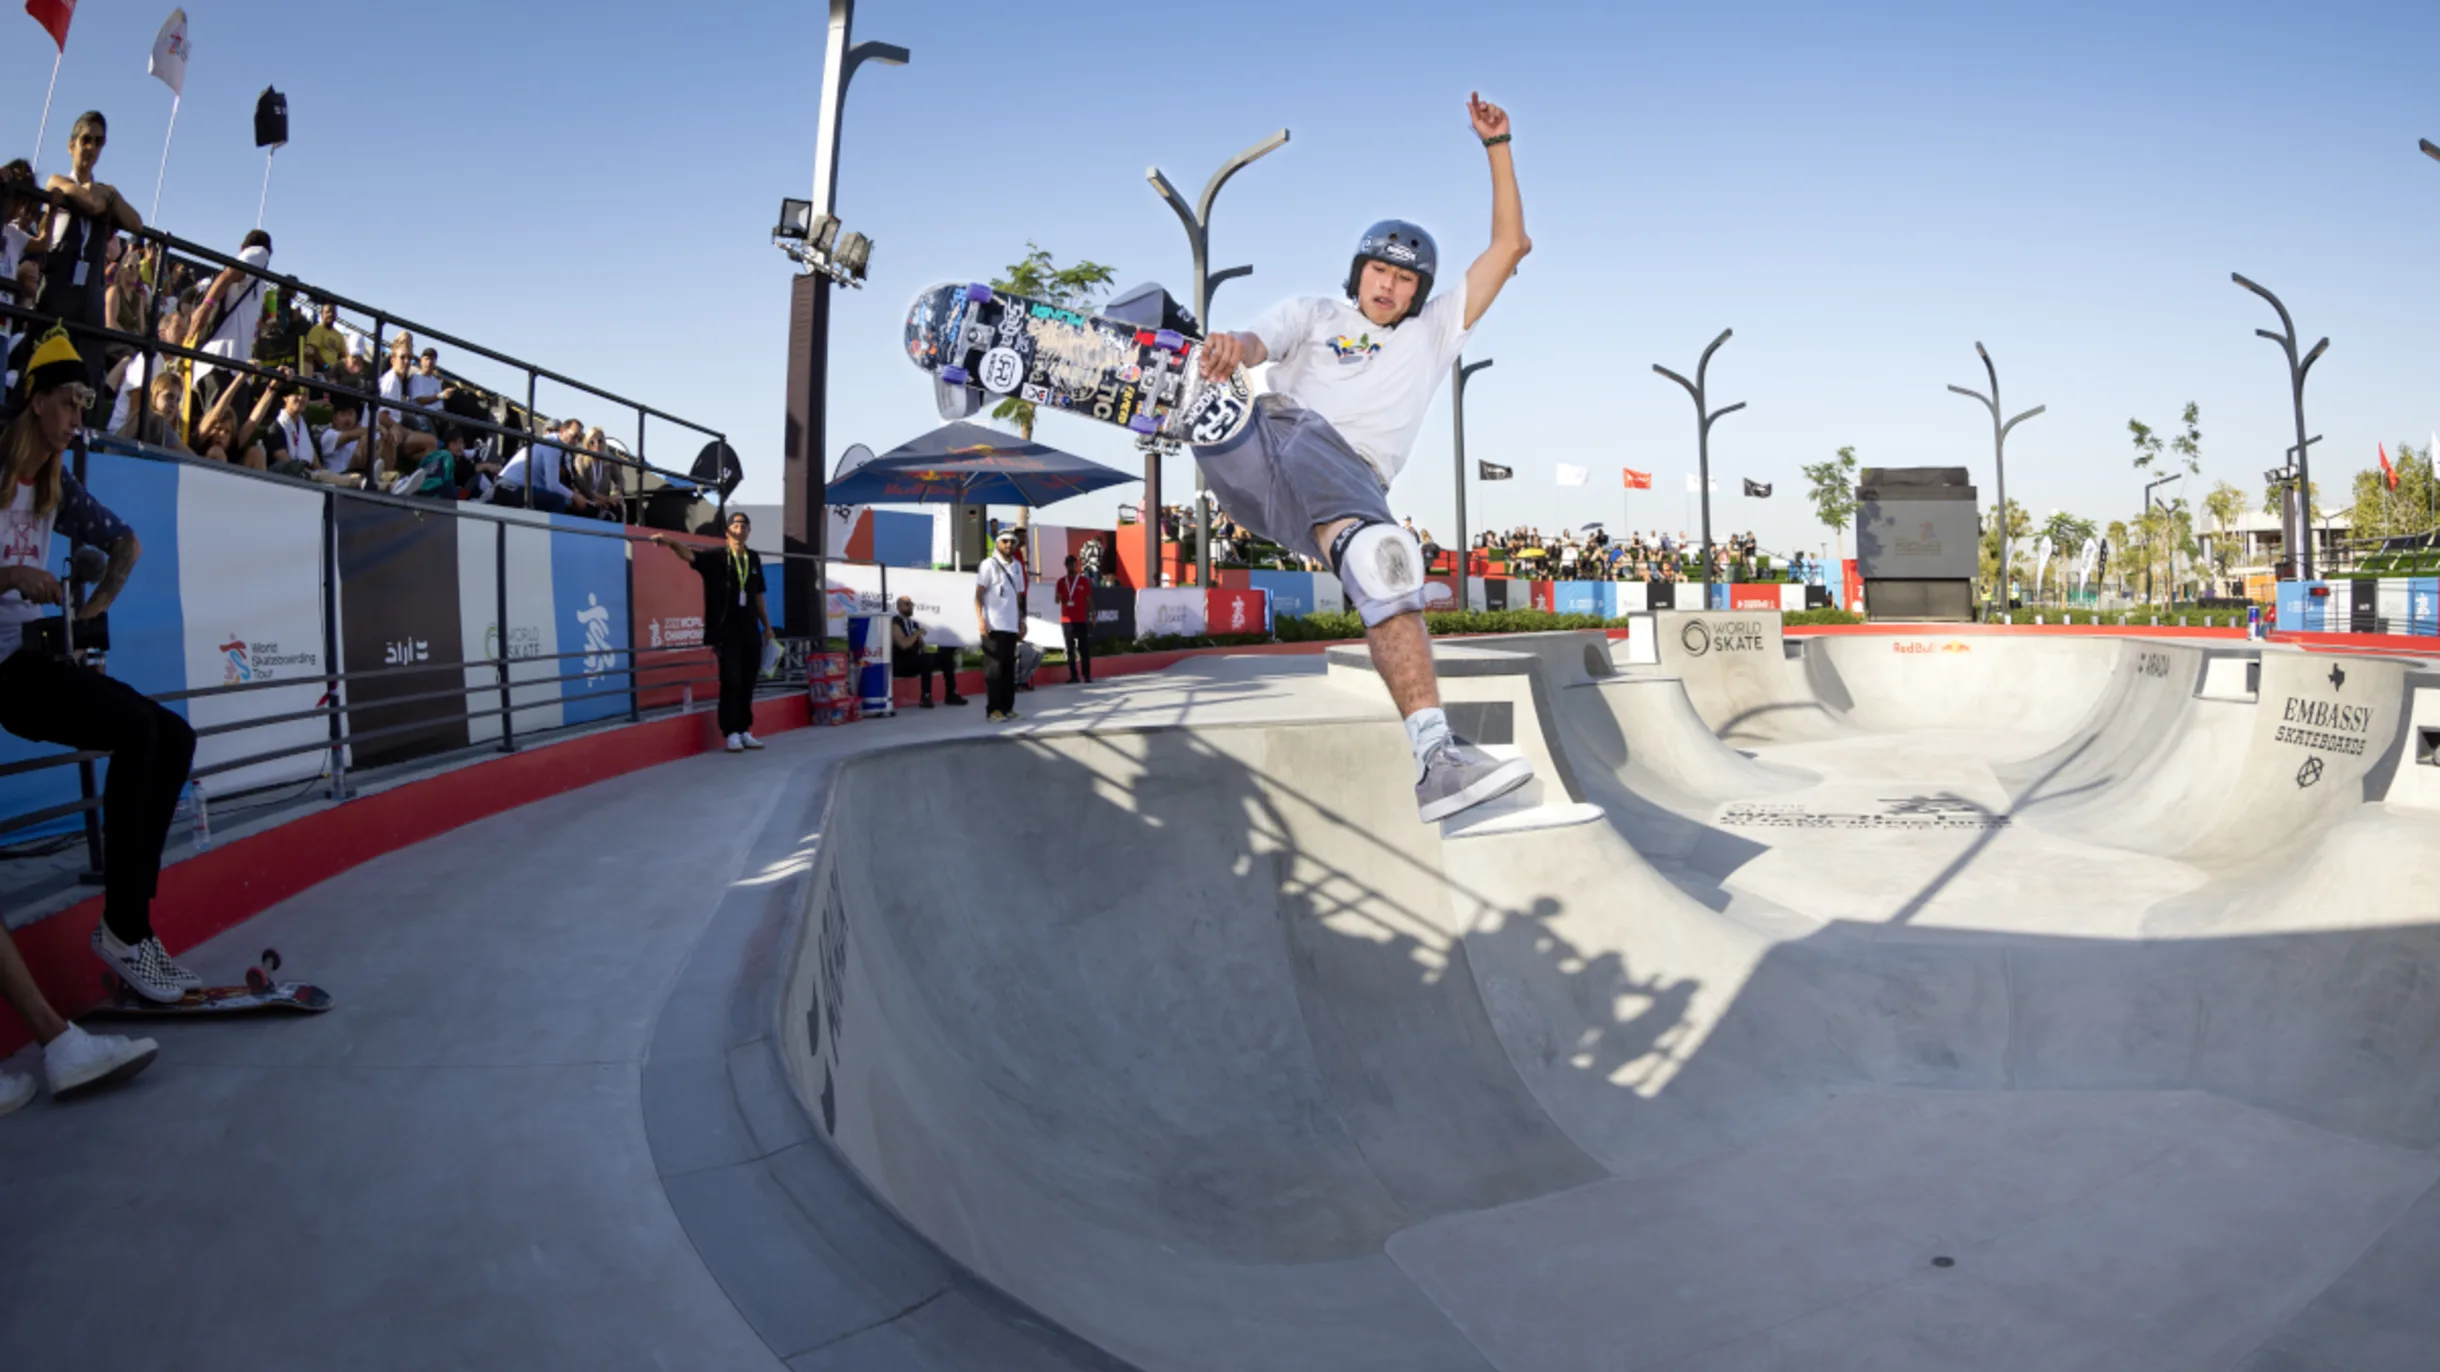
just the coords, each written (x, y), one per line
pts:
(1495, 140)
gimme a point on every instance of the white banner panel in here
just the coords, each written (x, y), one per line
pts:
(1791, 596)
(250, 572)
(533, 631)
(944, 601)
(1169, 612)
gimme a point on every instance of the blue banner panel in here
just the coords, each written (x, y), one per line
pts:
(1291, 592)
(589, 603)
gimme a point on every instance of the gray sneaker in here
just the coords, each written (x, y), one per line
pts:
(1459, 776)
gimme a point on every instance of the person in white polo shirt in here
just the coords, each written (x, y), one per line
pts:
(999, 614)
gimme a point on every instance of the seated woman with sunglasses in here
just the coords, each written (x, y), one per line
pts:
(47, 697)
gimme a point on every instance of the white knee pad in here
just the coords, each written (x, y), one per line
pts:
(1381, 568)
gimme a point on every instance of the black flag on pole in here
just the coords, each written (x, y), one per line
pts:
(1492, 471)
(1759, 490)
(271, 119)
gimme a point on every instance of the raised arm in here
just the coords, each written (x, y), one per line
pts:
(1509, 244)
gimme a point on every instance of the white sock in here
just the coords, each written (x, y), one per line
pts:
(1426, 731)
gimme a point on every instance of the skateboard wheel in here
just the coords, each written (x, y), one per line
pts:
(979, 294)
(1142, 423)
(954, 376)
(256, 981)
(270, 959)
(1170, 339)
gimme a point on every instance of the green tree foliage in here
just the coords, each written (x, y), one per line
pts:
(2020, 529)
(1038, 277)
(2184, 451)
(2067, 534)
(1833, 493)
(2379, 512)
(2226, 505)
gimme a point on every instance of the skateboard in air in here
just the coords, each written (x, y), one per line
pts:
(260, 994)
(977, 343)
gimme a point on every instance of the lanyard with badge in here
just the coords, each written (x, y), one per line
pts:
(737, 564)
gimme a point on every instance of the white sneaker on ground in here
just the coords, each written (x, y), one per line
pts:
(1459, 776)
(750, 740)
(146, 966)
(737, 743)
(77, 1062)
(16, 1088)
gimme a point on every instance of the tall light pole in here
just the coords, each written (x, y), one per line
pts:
(2298, 523)
(1459, 370)
(1702, 440)
(1198, 222)
(1999, 455)
(2149, 487)
(805, 474)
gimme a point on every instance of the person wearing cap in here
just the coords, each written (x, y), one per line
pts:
(735, 625)
(911, 656)
(52, 699)
(999, 616)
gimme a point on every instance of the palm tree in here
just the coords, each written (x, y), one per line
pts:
(2226, 505)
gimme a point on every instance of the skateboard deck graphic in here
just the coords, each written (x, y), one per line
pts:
(259, 994)
(979, 343)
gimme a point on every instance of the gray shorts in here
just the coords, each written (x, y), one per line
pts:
(1289, 471)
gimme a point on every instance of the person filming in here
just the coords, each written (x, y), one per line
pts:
(50, 698)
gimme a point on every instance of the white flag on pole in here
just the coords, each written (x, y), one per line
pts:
(1573, 476)
(169, 53)
(1694, 485)
(2041, 560)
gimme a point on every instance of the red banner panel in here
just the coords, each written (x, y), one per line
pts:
(1227, 611)
(669, 614)
(1756, 596)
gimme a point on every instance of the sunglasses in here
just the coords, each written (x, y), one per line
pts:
(83, 394)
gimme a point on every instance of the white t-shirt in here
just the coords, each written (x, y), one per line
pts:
(421, 388)
(1003, 586)
(1372, 384)
(543, 461)
(243, 304)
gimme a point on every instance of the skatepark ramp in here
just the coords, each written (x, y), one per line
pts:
(2059, 1003)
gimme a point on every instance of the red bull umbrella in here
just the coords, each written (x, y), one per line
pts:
(968, 464)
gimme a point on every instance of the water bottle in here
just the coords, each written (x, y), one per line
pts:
(191, 802)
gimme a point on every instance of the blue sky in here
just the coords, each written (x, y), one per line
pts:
(1861, 191)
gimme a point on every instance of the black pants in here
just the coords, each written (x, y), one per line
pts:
(923, 663)
(1079, 649)
(1000, 673)
(51, 701)
(740, 652)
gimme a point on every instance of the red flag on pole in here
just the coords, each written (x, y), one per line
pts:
(53, 15)
(2386, 469)
(1637, 481)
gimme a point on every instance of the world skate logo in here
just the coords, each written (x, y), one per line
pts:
(1699, 637)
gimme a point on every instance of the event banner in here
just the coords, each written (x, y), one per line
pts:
(532, 636)
(944, 601)
(250, 564)
(590, 618)
(1169, 612)
(1113, 613)
(667, 616)
(398, 607)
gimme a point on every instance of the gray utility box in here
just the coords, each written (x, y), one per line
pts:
(1916, 530)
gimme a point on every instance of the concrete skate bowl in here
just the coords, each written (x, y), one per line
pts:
(1196, 1044)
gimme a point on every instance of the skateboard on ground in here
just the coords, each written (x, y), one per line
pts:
(978, 343)
(260, 994)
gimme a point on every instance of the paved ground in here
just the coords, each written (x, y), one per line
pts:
(2040, 1004)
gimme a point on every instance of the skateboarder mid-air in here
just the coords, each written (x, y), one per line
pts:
(1350, 381)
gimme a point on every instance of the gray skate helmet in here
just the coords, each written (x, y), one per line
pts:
(1400, 244)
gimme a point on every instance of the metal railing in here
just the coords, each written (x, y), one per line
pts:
(638, 675)
(153, 349)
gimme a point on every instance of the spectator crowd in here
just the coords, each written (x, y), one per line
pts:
(326, 407)
(1591, 554)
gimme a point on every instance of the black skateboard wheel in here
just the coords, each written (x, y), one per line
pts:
(271, 959)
